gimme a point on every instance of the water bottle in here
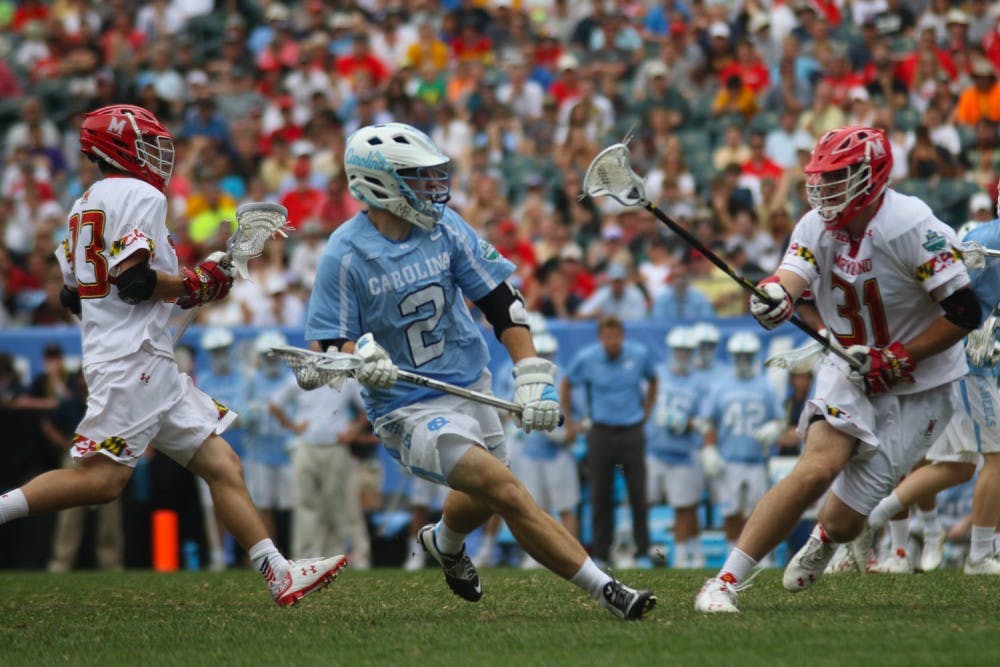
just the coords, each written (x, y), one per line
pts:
(192, 555)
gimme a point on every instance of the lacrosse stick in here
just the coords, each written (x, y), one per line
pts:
(314, 369)
(799, 359)
(611, 175)
(974, 254)
(256, 222)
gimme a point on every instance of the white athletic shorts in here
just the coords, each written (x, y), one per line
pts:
(677, 484)
(739, 488)
(143, 399)
(428, 438)
(975, 426)
(894, 432)
(427, 494)
(271, 487)
(554, 484)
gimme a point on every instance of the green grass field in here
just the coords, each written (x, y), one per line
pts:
(388, 617)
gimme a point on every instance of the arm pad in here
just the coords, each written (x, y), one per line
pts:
(504, 308)
(70, 299)
(136, 283)
(962, 309)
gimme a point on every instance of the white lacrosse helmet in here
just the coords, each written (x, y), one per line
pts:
(396, 167)
(967, 227)
(682, 343)
(707, 335)
(743, 347)
(215, 338)
(267, 339)
(537, 323)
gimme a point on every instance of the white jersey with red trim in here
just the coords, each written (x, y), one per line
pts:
(115, 218)
(885, 287)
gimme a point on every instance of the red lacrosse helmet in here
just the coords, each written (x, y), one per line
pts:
(849, 169)
(131, 139)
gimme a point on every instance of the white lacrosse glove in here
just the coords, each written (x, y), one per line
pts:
(711, 461)
(980, 345)
(378, 371)
(535, 392)
(776, 308)
(767, 433)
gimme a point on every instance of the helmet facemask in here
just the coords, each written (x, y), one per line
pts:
(831, 193)
(682, 360)
(426, 189)
(745, 365)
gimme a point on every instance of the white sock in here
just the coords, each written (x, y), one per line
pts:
(696, 557)
(929, 520)
(887, 508)
(13, 505)
(981, 543)
(267, 559)
(737, 566)
(900, 532)
(591, 579)
(447, 540)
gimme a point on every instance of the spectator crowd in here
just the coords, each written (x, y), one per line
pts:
(724, 101)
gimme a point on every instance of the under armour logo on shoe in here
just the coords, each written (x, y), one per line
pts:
(144, 378)
(311, 568)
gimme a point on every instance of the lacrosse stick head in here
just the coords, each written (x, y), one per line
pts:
(977, 256)
(256, 223)
(610, 175)
(315, 369)
(981, 343)
(798, 360)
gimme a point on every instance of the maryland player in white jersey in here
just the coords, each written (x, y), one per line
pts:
(889, 283)
(121, 277)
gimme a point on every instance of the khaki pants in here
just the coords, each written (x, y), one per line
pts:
(69, 534)
(327, 505)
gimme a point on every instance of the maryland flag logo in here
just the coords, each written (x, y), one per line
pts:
(221, 409)
(124, 242)
(836, 412)
(937, 264)
(114, 445)
(804, 253)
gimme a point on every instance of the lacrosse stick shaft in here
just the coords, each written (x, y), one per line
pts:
(743, 282)
(462, 392)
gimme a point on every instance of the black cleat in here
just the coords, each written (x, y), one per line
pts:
(627, 603)
(459, 571)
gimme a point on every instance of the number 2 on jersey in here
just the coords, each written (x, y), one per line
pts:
(850, 310)
(94, 220)
(421, 350)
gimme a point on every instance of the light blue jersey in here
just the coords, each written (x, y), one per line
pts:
(713, 376)
(265, 437)
(409, 295)
(677, 396)
(230, 390)
(737, 407)
(614, 390)
(986, 281)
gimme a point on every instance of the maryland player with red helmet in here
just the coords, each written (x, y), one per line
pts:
(890, 286)
(121, 277)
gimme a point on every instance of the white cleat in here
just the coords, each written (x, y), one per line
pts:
(842, 562)
(988, 565)
(898, 563)
(415, 561)
(933, 552)
(717, 596)
(304, 577)
(806, 566)
(861, 552)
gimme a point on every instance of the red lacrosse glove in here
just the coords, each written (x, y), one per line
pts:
(883, 368)
(208, 281)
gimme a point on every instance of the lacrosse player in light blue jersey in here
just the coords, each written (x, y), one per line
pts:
(745, 417)
(268, 466)
(707, 366)
(223, 380)
(390, 287)
(674, 472)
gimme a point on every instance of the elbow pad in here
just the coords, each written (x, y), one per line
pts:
(504, 308)
(136, 284)
(962, 309)
(70, 299)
